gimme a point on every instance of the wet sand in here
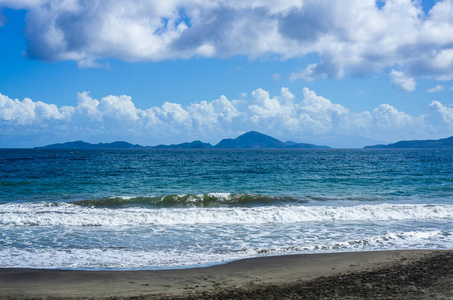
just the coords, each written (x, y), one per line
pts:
(417, 274)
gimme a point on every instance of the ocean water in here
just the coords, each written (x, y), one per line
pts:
(151, 209)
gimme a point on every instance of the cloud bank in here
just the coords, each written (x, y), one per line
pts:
(355, 37)
(309, 118)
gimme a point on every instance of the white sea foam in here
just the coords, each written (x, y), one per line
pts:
(387, 241)
(108, 258)
(46, 214)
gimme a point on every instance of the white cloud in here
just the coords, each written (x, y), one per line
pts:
(310, 73)
(306, 118)
(401, 80)
(27, 112)
(353, 37)
(442, 115)
(320, 115)
(90, 63)
(120, 108)
(436, 89)
(386, 116)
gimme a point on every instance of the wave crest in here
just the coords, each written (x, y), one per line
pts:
(65, 214)
(188, 200)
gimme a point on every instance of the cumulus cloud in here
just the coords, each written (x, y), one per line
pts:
(307, 117)
(401, 80)
(441, 115)
(28, 112)
(354, 37)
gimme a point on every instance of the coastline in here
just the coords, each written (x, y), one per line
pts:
(404, 274)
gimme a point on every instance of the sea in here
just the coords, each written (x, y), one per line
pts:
(145, 209)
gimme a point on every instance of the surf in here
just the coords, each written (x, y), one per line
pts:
(69, 214)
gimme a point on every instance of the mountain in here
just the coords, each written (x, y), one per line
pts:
(85, 145)
(192, 145)
(250, 140)
(256, 140)
(442, 143)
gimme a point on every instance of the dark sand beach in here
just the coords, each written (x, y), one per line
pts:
(418, 274)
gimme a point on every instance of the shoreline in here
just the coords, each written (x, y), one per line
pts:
(404, 274)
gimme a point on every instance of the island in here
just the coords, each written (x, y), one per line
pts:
(192, 145)
(249, 140)
(420, 144)
(256, 140)
(85, 145)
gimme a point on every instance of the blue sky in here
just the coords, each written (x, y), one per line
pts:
(343, 74)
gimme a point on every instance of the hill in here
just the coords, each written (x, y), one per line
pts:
(250, 140)
(256, 140)
(441, 143)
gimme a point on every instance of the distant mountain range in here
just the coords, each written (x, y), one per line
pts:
(249, 140)
(85, 145)
(442, 143)
(192, 145)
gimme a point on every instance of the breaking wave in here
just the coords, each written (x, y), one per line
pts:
(189, 200)
(67, 214)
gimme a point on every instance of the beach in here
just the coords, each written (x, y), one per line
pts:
(407, 274)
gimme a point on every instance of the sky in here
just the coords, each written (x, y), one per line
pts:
(339, 73)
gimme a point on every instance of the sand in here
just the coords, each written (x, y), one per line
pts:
(417, 274)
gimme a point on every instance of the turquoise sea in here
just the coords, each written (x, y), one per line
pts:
(150, 209)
